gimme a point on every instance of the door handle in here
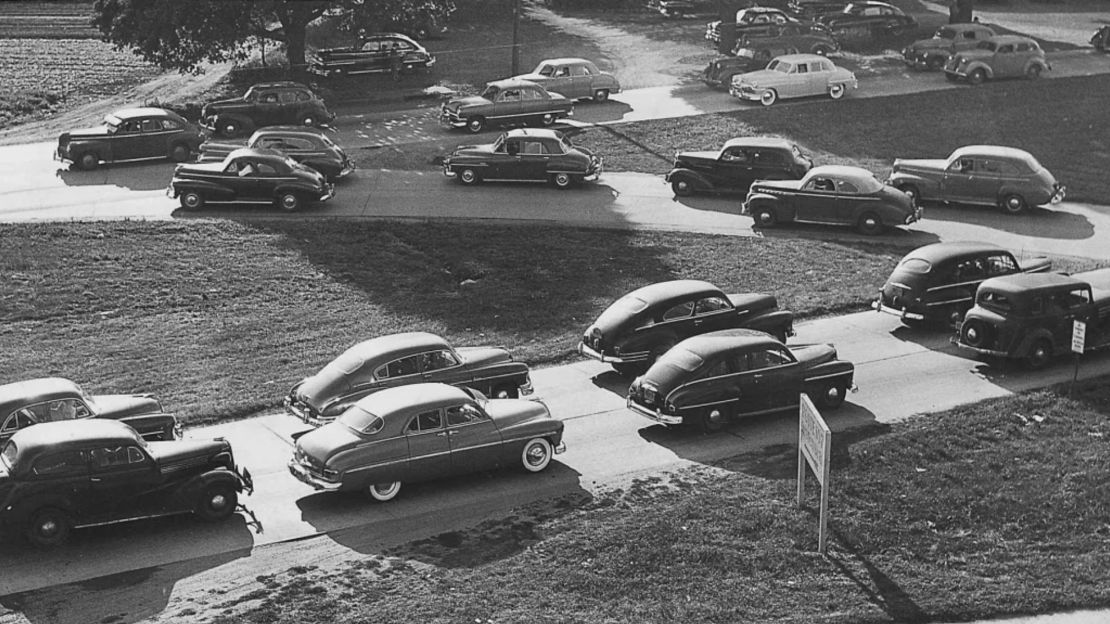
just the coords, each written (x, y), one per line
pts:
(441, 434)
(95, 479)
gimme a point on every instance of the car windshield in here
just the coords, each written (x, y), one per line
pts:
(490, 92)
(565, 143)
(684, 359)
(112, 122)
(995, 301)
(987, 45)
(499, 144)
(361, 420)
(7, 456)
(780, 66)
(544, 69)
(797, 152)
(945, 33)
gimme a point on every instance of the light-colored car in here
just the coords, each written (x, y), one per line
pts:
(792, 76)
(1001, 56)
(574, 78)
(949, 39)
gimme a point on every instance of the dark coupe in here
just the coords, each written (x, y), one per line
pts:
(131, 134)
(250, 176)
(868, 19)
(642, 325)
(52, 399)
(524, 156)
(735, 166)
(423, 432)
(937, 283)
(403, 359)
(308, 146)
(832, 194)
(709, 379)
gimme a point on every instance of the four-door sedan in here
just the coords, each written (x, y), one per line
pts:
(753, 21)
(250, 176)
(831, 194)
(868, 19)
(131, 134)
(710, 379)
(375, 53)
(792, 76)
(735, 166)
(937, 283)
(60, 476)
(949, 39)
(1001, 56)
(644, 324)
(539, 155)
(266, 104)
(509, 101)
(573, 78)
(52, 399)
(404, 359)
(309, 146)
(987, 175)
(423, 432)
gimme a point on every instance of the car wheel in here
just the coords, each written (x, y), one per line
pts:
(837, 91)
(180, 153)
(562, 181)
(870, 224)
(831, 395)
(217, 502)
(975, 333)
(230, 128)
(89, 161)
(977, 76)
(910, 190)
(469, 176)
(192, 200)
(713, 419)
(601, 95)
(383, 492)
(308, 120)
(1013, 203)
(536, 455)
(682, 187)
(1039, 354)
(506, 391)
(548, 120)
(476, 124)
(289, 202)
(1033, 72)
(765, 218)
(48, 527)
(768, 97)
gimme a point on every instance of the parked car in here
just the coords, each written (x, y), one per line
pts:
(56, 477)
(309, 146)
(831, 194)
(574, 78)
(735, 166)
(52, 399)
(1001, 56)
(374, 53)
(422, 432)
(949, 39)
(809, 38)
(937, 283)
(250, 176)
(266, 104)
(868, 18)
(1101, 39)
(641, 326)
(509, 101)
(1030, 317)
(749, 21)
(987, 175)
(404, 359)
(131, 134)
(710, 379)
(524, 155)
(792, 76)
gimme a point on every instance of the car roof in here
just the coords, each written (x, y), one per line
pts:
(841, 171)
(142, 111)
(1022, 282)
(507, 83)
(279, 83)
(662, 291)
(996, 151)
(543, 133)
(802, 58)
(53, 435)
(411, 396)
(938, 252)
(872, 3)
(758, 142)
(393, 344)
(290, 130)
(727, 339)
(35, 391)
(1010, 39)
(257, 152)
(761, 9)
(566, 60)
(390, 35)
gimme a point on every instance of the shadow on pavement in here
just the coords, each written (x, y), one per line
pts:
(144, 176)
(1037, 222)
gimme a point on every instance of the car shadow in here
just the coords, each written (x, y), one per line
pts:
(1036, 222)
(898, 236)
(590, 112)
(137, 176)
(612, 381)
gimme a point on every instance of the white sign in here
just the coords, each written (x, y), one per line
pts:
(1078, 336)
(815, 449)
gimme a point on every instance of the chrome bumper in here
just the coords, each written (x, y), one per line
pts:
(304, 476)
(302, 415)
(656, 415)
(1059, 195)
(913, 316)
(591, 353)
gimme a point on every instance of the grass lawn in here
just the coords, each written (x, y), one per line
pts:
(993, 509)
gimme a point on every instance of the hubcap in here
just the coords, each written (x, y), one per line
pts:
(683, 186)
(48, 528)
(218, 501)
(715, 416)
(536, 455)
(765, 218)
(833, 393)
(972, 334)
(289, 201)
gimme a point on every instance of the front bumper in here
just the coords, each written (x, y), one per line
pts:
(303, 475)
(451, 119)
(1059, 195)
(748, 93)
(594, 354)
(656, 415)
(329, 192)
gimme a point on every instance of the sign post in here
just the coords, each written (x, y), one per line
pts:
(1078, 340)
(814, 448)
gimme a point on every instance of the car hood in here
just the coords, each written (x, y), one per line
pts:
(974, 54)
(182, 454)
(484, 356)
(810, 355)
(706, 156)
(530, 77)
(211, 151)
(931, 44)
(94, 131)
(473, 150)
(327, 441)
(123, 405)
(473, 100)
(507, 413)
(763, 76)
(919, 164)
(222, 104)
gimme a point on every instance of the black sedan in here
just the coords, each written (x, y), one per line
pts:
(524, 156)
(831, 194)
(309, 146)
(709, 379)
(130, 134)
(252, 176)
(736, 165)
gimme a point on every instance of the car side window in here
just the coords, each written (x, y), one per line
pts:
(987, 166)
(438, 360)
(844, 186)
(767, 158)
(531, 93)
(512, 146)
(681, 310)
(534, 147)
(425, 421)
(151, 125)
(17, 420)
(462, 415)
(61, 464)
(717, 369)
(509, 95)
(1024, 47)
(801, 68)
(266, 169)
(371, 46)
(295, 143)
(170, 124)
(821, 184)
(562, 72)
(579, 70)
(107, 458)
(399, 368)
(739, 363)
(962, 165)
(734, 154)
(1005, 49)
(271, 143)
(133, 126)
(269, 97)
(768, 358)
(971, 270)
(709, 305)
(1076, 298)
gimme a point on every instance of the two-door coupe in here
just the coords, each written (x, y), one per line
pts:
(831, 194)
(524, 155)
(131, 134)
(309, 146)
(403, 359)
(506, 102)
(52, 399)
(251, 176)
(937, 283)
(710, 379)
(575, 78)
(641, 326)
(735, 166)
(793, 76)
(422, 432)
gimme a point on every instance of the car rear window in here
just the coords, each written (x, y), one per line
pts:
(684, 359)
(7, 456)
(361, 420)
(995, 301)
(916, 265)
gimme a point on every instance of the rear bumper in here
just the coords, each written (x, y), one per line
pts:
(303, 415)
(304, 476)
(656, 415)
(900, 313)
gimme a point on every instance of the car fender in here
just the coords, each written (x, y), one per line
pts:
(1032, 196)
(697, 180)
(783, 210)
(923, 184)
(100, 147)
(17, 514)
(974, 65)
(212, 189)
(244, 119)
(152, 426)
(775, 322)
(188, 491)
(1032, 337)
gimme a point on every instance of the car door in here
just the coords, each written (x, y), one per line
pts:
(508, 165)
(509, 104)
(816, 200)
(808, 79)
(533, 159)
(741, 383)
(19, 419)
(959, 179)
(289, 109)
(247, 180)
(581, 82)
(443, 366)
(777, 376)
(267, 109)
(370, 57)
(734, 169)
(128, 141)
(561, 81)
(154, 139)
(124, 482)
(986, 184)
(475, 440)
(1006, 63)
(65, 474)
(678, 320)
(429, 446)
(712, 313)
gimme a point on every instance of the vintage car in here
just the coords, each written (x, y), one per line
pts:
(375, 53)
(792, 76)
(524, 155)
(753, 52)
(131, 134)
(987, 175)
(831, 194)
(308, 146)
(60, 476)
(506, 102)
(642, 325)
(422, 432)
(749, 21)
(1001, 56)
(249, 176)
(868, 19)
(937, 283)
(266, 104)
(735, 166)
(712, 378)
(51, 399)
(949, 39)
(1031, 317)
(404, 359)
(1101, 39)
(573, 78)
